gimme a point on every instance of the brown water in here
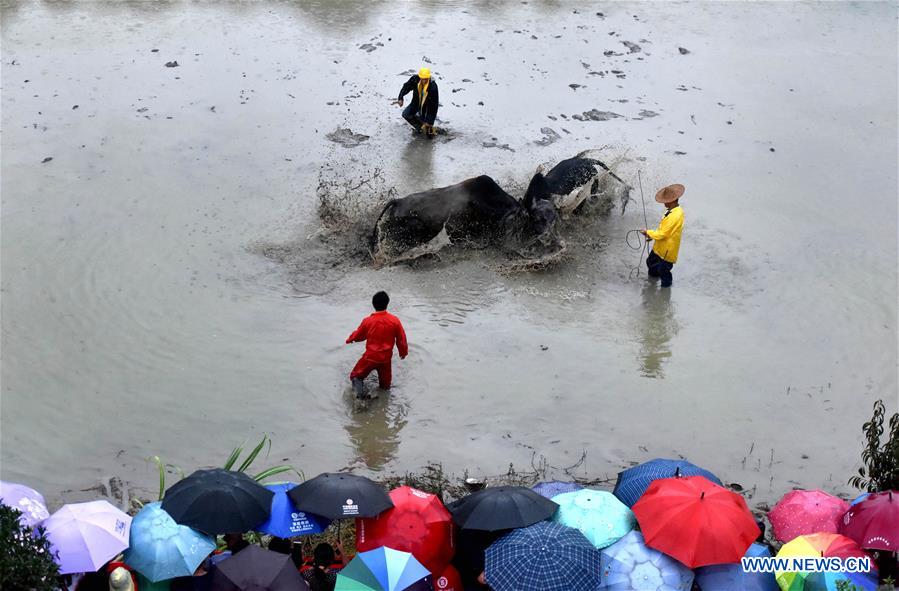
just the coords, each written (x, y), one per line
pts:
(166, 287)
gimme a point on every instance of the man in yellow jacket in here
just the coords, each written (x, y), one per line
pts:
(666, 237)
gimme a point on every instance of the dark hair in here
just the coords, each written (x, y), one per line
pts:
(280, 545)
(323, 555)
(322, 558)
(380, 301)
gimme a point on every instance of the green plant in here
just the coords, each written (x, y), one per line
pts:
(26, 559)
(880, 459)
(163, 468)
(229, 464)
(251, 457)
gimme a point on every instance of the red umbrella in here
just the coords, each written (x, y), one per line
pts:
(874, 522)
(418, 523)
(695, 521)
(448, 580)
(802, 512)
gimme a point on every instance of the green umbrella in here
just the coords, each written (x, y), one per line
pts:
(381, 569)
(599, 515)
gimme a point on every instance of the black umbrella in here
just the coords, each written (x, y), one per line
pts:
(337, 496)
(218, 502)
(256, 569)
(502, 507)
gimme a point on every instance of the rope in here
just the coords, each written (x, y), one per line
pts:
(642, 243)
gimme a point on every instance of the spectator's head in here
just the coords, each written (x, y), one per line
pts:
(323, 555)
(235, 542)
(120, 580)
(280, 545)
(380, 301)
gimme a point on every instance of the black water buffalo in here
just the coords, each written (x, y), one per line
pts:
(574, 180)
(475, 210)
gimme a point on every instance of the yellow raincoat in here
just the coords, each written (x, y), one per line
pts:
(667, 237)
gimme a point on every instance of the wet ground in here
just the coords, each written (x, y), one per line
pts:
(168, 286)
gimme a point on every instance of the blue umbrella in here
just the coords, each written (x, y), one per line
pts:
(162, 549)
(730, 577)
(381, 569)
(285, 520)
(859, 499)
(633, 482)
(546, 556)
(555, 487)
(629, 565)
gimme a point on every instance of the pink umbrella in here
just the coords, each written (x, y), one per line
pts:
(803, 512)
(85, 536)
(874, 521)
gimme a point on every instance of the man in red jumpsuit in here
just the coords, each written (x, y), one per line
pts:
(379, 331)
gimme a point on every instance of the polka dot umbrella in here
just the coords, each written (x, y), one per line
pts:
(802, 512)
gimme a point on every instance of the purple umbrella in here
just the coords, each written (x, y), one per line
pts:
(27, 500)
(555, 487)
(85, 536)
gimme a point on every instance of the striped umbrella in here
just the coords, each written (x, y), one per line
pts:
(545, 556)
(824, 545)
(630, 565)
(599, 515)
(633, 482)
(802, 512)
(382, 569)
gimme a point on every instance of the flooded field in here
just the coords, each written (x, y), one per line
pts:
(173, 285)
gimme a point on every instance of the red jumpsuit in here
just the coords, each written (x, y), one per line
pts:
(379, 331)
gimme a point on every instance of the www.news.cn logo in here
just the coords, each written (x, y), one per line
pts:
(767, 564)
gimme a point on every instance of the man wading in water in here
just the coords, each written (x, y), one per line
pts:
(422, 111)
(379, 331)
(667, 237)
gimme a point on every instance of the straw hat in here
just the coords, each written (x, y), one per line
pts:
(670, 193)
(120, 580)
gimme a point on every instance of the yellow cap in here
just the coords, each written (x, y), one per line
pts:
(424, 73)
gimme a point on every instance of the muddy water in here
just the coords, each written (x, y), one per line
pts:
(167, 287)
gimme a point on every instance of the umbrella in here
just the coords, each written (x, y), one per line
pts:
(599, 515)
(417, 523)
(802, 512)
(629, 565)
(340, 495)
(161, 549)
(448, 580)
(257, 569)
(27, 500)
(824, 545)
(285, 521)
(731, 577)
(555, 487)
(633, 482)
(383, 569)
(859, 499)
(218, 501)
(874, 522)
(85, 536)
(695, 521)
(545, 556)
(501, 507)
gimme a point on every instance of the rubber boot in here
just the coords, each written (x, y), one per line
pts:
(359, 388)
